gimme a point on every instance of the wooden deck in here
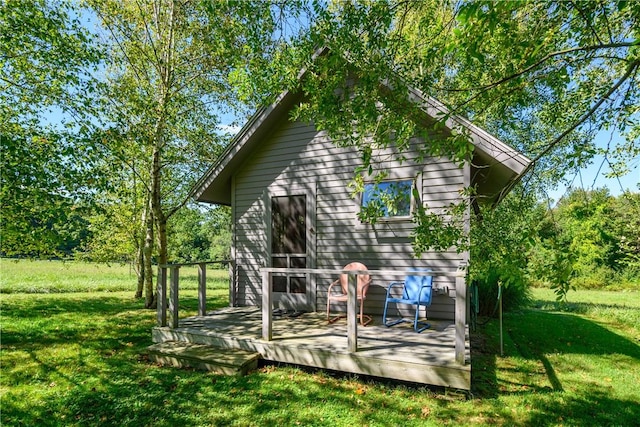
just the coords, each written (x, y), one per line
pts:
(396, 353)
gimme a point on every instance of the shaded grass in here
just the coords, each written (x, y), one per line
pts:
(77, 359)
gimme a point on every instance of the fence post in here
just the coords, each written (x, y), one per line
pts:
(202, 289)
(173, 296)
(267, 319)
(460, 315)
(352, 309)
(161, 295)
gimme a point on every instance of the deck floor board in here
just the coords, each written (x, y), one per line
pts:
(397, 352)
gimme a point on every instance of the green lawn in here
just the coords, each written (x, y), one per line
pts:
(27, 276)
(77, 358)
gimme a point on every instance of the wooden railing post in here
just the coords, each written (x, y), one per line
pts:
(161, 295)
(352, 310)
(173, 295)
(267, 319)
(460, 316)
(233, 299)
(202, 289)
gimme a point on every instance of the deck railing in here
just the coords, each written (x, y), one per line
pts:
(267, 301)
(352, 302)
(174, 276)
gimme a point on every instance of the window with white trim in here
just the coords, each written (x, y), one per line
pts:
(386, 200)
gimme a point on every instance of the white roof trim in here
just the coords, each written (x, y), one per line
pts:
(480, 138)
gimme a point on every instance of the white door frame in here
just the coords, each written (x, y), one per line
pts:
(306, 301)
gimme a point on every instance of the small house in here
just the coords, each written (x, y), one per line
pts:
(295, 221)
(288, 186)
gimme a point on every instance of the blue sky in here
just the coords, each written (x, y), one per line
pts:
(595, 174)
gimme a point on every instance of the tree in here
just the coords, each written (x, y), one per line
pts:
(40, 218)
(45, 57)
(502, 242)
(170, 68)
(543, 76)
(626, 223)
(200, 233)
(589, 240)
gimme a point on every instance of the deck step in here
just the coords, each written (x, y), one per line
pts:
(205, 357)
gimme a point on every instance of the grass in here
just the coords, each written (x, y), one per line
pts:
(77, 359)
(36, 276)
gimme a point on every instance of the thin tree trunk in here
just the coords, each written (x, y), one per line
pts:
(148, 269)
(164, 91)
(139, 262)
(165, 70)
(139, 267)
(158, 214)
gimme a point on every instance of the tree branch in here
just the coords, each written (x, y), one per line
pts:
(545, 59)
(630, 70)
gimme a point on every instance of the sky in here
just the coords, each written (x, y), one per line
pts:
(595, 175)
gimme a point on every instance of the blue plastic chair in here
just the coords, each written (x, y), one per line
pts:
(417, 290)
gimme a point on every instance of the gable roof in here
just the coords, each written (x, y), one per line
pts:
(215, 184)
(506, 163)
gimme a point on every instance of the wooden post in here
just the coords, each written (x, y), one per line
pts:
(161, 295)
(460, 316)
(173, 296)
(500, 315)
(232, 286)
(202, 289)
(352, 310)
(267, 320)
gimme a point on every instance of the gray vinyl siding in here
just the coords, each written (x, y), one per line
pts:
(297, 155)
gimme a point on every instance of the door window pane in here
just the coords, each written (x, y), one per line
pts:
(298, 262)
(279, 283)
(279, 262)
(288, 225)
(298, 285)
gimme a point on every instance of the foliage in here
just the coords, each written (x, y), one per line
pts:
(626, 227)
(588, 241)
(502, 240)
(200, 233)
(114, 233)
(45, 55)
(544, 77)
(534, 73)
(440, 231)
(40, 216)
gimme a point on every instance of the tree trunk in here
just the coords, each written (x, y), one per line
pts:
(140, 239)
(165, 70)
(156, 205)
(148, 269)
(140, 271)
